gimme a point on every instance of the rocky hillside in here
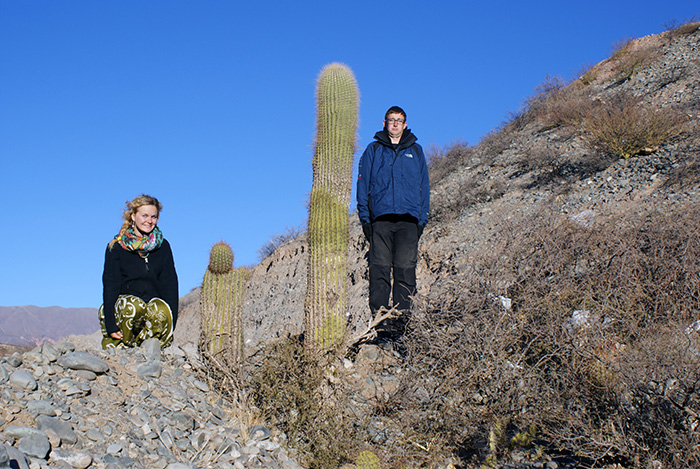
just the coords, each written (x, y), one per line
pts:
(137, 408)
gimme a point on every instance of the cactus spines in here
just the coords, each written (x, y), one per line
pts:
(221, 302)
(220, 258)
(367, 460)
(325, 305)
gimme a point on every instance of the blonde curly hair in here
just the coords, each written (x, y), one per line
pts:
(131, 207)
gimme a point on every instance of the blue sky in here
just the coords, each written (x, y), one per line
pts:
(209, 106)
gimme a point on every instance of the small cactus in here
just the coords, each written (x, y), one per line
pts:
(524, 439)
(221, 301)
(220, 258)
(325, 305)
(367, 460)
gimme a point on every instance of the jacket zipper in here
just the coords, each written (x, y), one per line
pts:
(393, 184)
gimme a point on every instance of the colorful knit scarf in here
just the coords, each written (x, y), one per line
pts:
(130, 241)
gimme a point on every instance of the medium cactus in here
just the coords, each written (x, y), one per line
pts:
(325, 305)
(221, 302)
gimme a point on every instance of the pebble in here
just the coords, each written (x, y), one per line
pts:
(128, 408)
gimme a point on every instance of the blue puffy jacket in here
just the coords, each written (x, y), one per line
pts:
(393, 180)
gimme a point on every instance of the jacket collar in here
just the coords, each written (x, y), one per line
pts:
(407, 139)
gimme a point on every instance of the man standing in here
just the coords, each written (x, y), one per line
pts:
(393, 201)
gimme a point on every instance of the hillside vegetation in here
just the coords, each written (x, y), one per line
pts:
(557, 317)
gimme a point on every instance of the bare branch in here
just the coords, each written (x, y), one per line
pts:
(370, 331)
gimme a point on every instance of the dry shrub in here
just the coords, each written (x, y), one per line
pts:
(567, 106)
(564, 339)
(619, 47)
(629, 58)
(497, 141)
(556, 102)
(278, 240)
(535, 157)
(475, 183)
(444, 161)
(472, 188)
(587, 75)
(288, 385)
(625, 127)
(620, 126)
(688, 27)
(478, 189)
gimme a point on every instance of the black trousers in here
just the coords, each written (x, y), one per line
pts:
(393, 252)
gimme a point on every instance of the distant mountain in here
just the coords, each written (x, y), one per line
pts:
(29, 325)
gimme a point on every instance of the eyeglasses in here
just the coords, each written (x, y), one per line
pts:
(395, 121)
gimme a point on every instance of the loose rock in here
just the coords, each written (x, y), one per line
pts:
(126, 408)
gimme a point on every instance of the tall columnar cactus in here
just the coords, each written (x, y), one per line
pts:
(337, 102)
(221, 304)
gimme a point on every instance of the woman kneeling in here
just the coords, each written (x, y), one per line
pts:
(140, 289)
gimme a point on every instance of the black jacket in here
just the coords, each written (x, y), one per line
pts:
(127, 273)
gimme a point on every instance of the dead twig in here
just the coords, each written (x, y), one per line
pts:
(370, 331)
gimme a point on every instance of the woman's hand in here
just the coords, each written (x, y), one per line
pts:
(117, 335)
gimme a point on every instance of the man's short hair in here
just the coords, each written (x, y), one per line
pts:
(395, 110)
